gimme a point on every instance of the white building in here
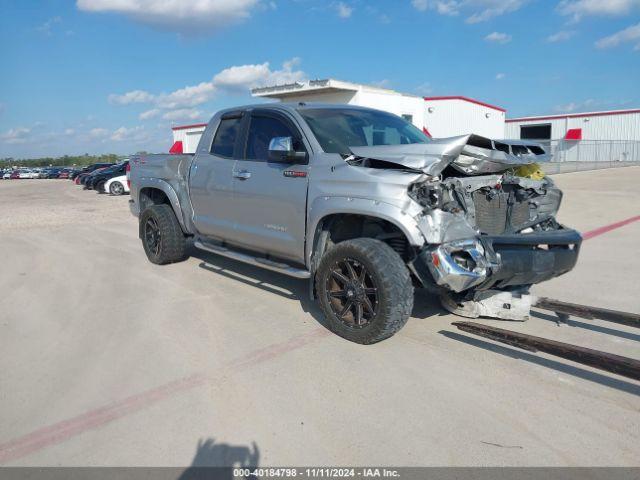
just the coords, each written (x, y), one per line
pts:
(189, 135)
(592, 136)
(437, 116)
(610, 125)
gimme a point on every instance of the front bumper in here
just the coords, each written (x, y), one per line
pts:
(498, 261)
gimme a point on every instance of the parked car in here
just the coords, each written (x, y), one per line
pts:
(97, 180)
(117, 185)
(15, 175)
(50, 173)
(88, 170)
(86, 179)
(362, 204)
(64, 173)
(27, 174)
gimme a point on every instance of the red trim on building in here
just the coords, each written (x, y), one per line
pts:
(573, 115)
(184, 127)
(176, 148)
(573, 134)
(466, 99)
(426, 132)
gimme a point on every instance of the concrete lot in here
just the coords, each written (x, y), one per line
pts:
(106, 359)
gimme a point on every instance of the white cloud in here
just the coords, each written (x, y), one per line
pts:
(135, 96)
(184, 16)
(384, 83)
(580, 8)
(183, 114)
(443, 7)
(187, 96)
(15, 135)
(575, 106)
(97, 133)
(561, 36)
(232, 80)
(133, 135)
(45, 28)
(500, 76)
(498, 37)
(69, 131)
(424, 89)
(148, 114)
(478, 10)
(343, 10)
(245, 77)
(628, 35)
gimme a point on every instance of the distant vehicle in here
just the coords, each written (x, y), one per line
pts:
(117, 185)
(50, 173)
(27, 174)
(14, 175)
(88, 170)
(86, 178)
(65, 173)
(7, 175)
(97, 180)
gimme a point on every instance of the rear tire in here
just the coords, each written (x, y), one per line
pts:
(162, 238)
(365, 290)
(116, 188)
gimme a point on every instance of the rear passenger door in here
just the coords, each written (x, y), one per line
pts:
(210, 180)
(270, 197)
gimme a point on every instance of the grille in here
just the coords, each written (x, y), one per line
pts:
(492, 212)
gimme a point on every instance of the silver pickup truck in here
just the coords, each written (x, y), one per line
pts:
(362, 204)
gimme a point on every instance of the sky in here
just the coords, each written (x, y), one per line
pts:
(113, 76)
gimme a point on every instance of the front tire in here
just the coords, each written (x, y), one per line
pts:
(364, 290)
(161, 235)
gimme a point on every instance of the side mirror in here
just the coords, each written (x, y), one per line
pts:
(281, 150)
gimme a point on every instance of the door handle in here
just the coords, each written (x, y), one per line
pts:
(242, 175)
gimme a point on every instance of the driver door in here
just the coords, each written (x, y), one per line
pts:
(270, 198)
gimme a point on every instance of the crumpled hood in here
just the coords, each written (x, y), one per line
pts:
(469, 154)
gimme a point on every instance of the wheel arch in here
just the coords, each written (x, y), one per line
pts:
(326, 221)
(158, 192)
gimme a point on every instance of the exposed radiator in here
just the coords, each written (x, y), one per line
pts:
(492, 212)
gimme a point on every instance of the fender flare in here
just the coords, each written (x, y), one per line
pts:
(322, 207)
(169, 191)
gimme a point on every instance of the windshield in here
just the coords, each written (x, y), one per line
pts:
(337, 129)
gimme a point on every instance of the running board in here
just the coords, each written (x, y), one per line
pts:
(251, 260)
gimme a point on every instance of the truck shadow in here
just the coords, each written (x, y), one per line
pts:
(272, 282)
(425, 304)
(590, 376)
(218, 460)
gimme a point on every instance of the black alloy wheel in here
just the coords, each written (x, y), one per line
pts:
(352, 293)
(153, 236)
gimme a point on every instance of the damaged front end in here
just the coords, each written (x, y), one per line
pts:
(487, 216)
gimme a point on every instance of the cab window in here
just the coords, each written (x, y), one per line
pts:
(261, 130)
(225, 139)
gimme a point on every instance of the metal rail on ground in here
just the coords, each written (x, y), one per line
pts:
(564, 309)
(627, 367)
